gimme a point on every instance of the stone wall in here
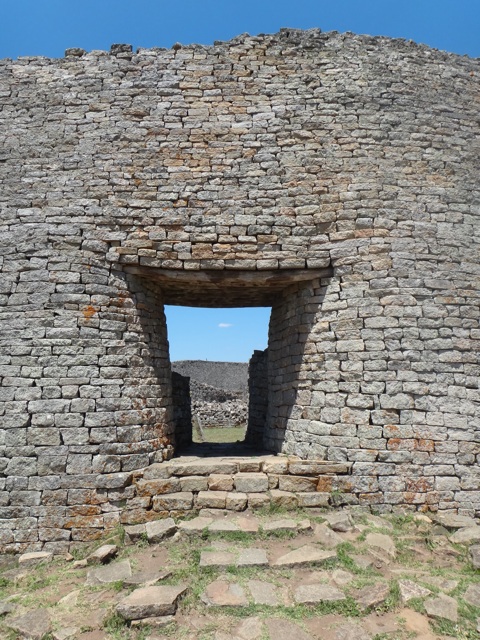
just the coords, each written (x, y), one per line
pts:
(330, 176)
(257, 398)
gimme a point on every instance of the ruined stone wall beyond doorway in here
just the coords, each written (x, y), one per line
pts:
(331, 176)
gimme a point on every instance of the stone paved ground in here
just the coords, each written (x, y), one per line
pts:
(266, 576)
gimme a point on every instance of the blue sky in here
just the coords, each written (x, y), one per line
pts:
(48, 27)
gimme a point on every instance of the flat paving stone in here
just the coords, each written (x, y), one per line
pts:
(195, 526)
(283, 629)
(32, 625)
(342, 578)
(252, 558)
(472, 595)
(263, 593)
(248, 524)
(466, 535)
(66, 633)
(156, 622)
(249, 629)
(453, 521)
(221, 593)
(109, 573)
(410, 590)
(316, 593)
(159, 530)
(305, 556)
(34, 557)
(326, 537)
(150, 602)
(372, 595)
(223, 526)
(275, 526)
(443, 607)
(217, 559)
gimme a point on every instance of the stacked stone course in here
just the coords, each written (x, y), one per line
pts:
(333, 177)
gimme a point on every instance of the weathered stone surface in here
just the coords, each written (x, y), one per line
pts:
(315, 593)
(297, 483)
(341, 577)
(35, 557)
(454, 521)
(224, 594)
(409, 590)
(475, 555)
(443, 607)
(155, 622)
(112, 572)
(381, 543)
(442, 583)
(196, 526)
(211, 499)
(33, 625)
(317, 499)
(472, 595)
(149, 602)
(326, 537)
(249, 629)
(339, 521)
(66, 633)
(258, 500)
(316, 468)
(252, 558)
(135, 532)
(372, 595)
(466, 535)
(284, 499)
(263, 593)
(220, 482)
(103, 554)
(308, 555)
(217, 559)
(282, 629)
(223, 526)
(278, 526)
(158, 530)
(203, 468)
(351, 631)
(251, 482)
(236, 501)
(145, 578)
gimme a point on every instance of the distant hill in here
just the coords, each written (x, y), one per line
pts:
(229, 376)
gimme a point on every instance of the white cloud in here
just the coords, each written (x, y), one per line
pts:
(225, 325)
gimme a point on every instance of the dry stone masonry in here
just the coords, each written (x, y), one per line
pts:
(331, 176)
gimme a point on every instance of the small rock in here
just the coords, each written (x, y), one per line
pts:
(466, 535)
(33, 625)
(110, 573)
(443, 607)
(80, 564)
(252, 558)
(472, 595)
(381, 543)
(372, 595)
(422, 518)
(304, 556)
(150, 602)
(283, 629)
(103, 554)
(409, 590)
(216, 559)
(263, 593)
(280, 526)
(475, 554)
(224, 594)
(326, 537)
(158, 530)
(35, 557)
(315, 593)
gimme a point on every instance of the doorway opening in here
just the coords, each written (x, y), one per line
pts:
(212, 369)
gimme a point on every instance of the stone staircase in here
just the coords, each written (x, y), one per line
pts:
(194, 483)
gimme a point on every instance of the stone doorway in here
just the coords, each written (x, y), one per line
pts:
(274, 379)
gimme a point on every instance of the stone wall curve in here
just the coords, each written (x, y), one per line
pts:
(352, 158)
